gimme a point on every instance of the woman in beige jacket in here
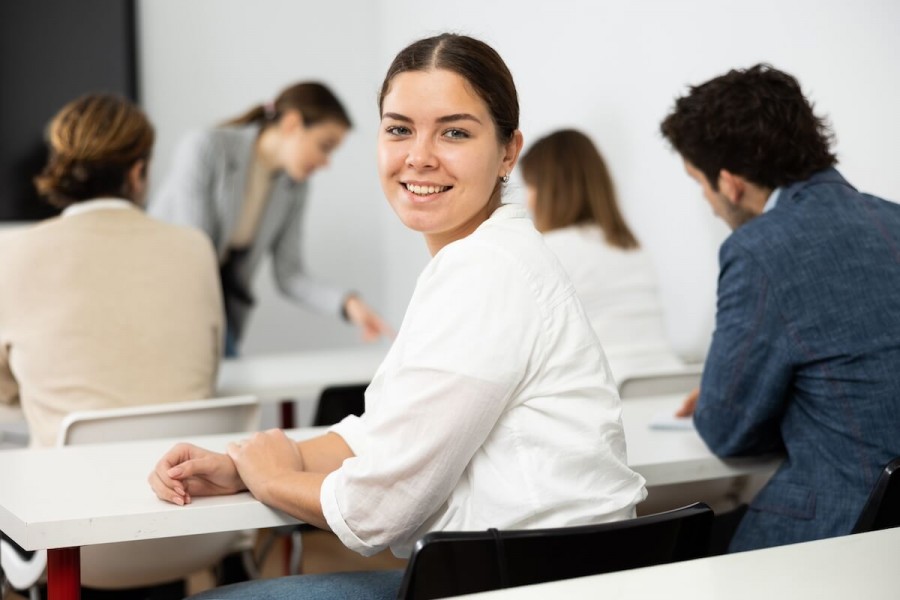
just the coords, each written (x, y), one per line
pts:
(103, 306)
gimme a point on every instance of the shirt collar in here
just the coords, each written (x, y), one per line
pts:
(773, 200)
(97, 204)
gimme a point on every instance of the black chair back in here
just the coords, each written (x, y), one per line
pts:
(454, 563)
(882, 509)
(336, 402)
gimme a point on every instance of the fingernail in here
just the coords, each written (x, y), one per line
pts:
(178, 500)
(175, 472)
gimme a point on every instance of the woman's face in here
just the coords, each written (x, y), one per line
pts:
(304, 149)
(438, 155)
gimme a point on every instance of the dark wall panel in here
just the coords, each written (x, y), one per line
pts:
(52, 51)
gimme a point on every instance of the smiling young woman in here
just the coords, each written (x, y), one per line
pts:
(440, 156)
(495, 406)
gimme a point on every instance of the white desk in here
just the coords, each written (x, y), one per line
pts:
(63, 498)
(854, 566)
(677, 456)
(271, 378)
(298, 375)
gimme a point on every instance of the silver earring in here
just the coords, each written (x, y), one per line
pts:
(505, 178)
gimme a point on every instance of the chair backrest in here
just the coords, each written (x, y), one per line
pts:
(677, 381)
(882, 509)
(14, 435)
(338, 401)
(453, 563)
(174, 419)
(157, 561)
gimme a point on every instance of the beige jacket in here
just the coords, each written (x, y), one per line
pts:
(103, 309)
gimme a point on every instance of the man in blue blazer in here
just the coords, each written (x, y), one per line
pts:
(805, 358)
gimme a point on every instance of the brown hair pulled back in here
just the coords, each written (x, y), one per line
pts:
(573, 185)
(474, 61)
(94, 141)
(314, 101)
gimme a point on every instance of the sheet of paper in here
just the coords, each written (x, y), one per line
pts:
(667, 420)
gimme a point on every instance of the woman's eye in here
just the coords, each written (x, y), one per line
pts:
(397, 130)
(456, 134)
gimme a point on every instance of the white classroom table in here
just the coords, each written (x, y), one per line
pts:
(677, 456)
(63, 498)
(853, 566)
(298, 375)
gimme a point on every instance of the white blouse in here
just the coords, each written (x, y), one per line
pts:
(494, 407)
(620, 295)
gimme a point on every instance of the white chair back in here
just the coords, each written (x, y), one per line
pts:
(13, 427)
(151, 562)
(675, 381)
(174, 419)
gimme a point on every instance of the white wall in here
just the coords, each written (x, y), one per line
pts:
(204, 61)
(613, 69)
(609, 68)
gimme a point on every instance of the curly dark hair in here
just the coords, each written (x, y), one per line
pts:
(755, 123)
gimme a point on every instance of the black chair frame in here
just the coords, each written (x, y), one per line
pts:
(882, 509)
(453, 563)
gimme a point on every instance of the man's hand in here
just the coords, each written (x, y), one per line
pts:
(690, 403)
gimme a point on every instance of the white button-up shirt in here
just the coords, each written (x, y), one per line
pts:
(495, 406)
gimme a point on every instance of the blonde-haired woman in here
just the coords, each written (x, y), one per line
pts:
(103, 306)
(573, 202)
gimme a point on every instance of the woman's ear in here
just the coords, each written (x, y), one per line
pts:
(291, 120)
(136, 182)
(512, 149)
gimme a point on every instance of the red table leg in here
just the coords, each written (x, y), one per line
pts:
(64, 573)
(288, 421)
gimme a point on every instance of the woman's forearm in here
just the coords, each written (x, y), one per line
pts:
(324, 454)
(297, 494)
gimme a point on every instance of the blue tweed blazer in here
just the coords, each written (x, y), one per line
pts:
(805, 357)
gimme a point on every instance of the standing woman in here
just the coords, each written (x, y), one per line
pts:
(494, 406)
(245, 185)
(573, 201)
(104, 307)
